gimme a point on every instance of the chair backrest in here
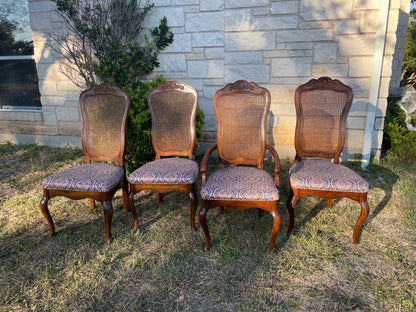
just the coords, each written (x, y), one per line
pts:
(322, 106)
(173, 107)
(241, 109)
(104, 110)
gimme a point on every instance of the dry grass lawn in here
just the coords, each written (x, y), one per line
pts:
(162, 267)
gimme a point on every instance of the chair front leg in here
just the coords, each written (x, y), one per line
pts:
(203, 222)
(365, 209)
(290, 207)
(108, 217)
(276, 226)
(130, 202)
(45, 212)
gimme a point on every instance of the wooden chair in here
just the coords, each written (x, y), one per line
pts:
(322, 107)
(104, 111)
(173, 107)
(241, 109)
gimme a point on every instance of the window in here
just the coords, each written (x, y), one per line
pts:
(19, 88)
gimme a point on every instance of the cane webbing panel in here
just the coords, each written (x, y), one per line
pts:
(104, 113)
(242, 115)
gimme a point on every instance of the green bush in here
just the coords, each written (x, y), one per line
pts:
(139, 149)
(398, 141)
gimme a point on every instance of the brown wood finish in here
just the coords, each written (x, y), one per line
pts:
(308, 142)
(173, 106)
(103, 139)
(233, 103)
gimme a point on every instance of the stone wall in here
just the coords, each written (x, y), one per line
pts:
(278, 44)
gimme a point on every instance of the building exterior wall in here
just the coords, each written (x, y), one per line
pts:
(278, 44)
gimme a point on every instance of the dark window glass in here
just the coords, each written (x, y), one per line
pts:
(18, 78)
(18, 84)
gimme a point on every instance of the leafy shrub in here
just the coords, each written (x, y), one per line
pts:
(398, 141)
(139, 149)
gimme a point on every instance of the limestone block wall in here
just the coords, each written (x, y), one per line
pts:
(279, 44)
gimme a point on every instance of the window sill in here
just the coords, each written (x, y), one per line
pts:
(21, 114)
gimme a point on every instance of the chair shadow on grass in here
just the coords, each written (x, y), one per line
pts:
(381, 178)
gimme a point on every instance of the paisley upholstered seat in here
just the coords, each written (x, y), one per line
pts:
(96, 177)
(322, 175)
(322, 106)
(166, 171)
(240, 183)
(104, 111)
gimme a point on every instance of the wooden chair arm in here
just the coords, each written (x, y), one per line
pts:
(276, 164)
(205, 162)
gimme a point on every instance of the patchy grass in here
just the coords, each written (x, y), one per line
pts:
(162, 267)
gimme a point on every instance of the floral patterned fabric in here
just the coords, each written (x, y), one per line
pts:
(166, 171)
(240, 183)
(326, 176)
(96, 177)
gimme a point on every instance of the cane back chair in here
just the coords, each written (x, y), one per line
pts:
(322, 107)
(173, 106)
(241, 109)
(104, 111)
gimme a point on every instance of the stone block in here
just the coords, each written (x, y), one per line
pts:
(208, 39)
(347, 27)
(230, 4)
(360, 66)
(284, 7)
(41, 6)
(360, 86)
(299, 46)
(53, 100)
(283, 94)
(356, 123)
(283, 53)
(283, 132)
(291, 67)
(68, 114)
(40, 21)
(367, 4)
(48, 87)
(312, 10)
(315, 25)
(325, 52)
(304, 35)
(254, 57)
(206, 69)
(354, 140)
(184, 2)
(368, 22)
(174, 15)
(172, 62)
(257, 73)
(205, 21)
(207, 105)
(331, 70)
(354, 45)
(238, 20)
(182, 43)
(214, 53)
(274, 22)
(245, 41)
(212, 5)
(70, 128)
(210, 123)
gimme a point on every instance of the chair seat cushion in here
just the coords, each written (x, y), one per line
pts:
(166, 171)
(326, 176)
(96, 177)
(240, 183)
